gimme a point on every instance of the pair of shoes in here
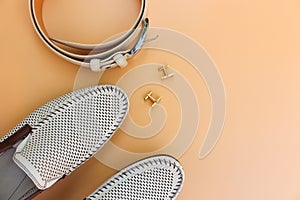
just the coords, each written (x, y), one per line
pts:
(63, 134)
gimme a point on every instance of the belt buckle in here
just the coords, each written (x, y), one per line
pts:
(138, 46)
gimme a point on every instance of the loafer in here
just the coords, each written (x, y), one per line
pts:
(57, 138)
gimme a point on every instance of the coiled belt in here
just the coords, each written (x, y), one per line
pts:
(100, 56)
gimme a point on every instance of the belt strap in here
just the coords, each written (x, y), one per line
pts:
(102, 56)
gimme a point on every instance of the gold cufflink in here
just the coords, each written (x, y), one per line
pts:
(166, 75)
(150, 97)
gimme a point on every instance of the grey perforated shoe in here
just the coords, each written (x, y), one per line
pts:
(155, 178)
(57, 138)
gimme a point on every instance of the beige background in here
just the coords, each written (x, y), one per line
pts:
(256, 47)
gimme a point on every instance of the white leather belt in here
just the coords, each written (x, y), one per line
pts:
(100, 56)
